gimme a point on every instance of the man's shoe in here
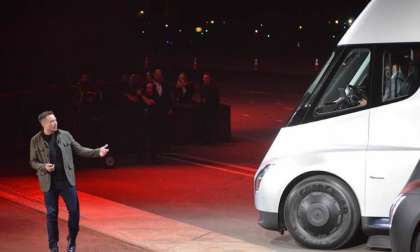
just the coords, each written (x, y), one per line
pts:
(71, 245)
(71, 248)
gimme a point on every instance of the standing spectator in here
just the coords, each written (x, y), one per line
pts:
(83, 98)
(183, 90)
(152, 132)
(132, 108)
(133, 89)
(163, 91)
(164, 103)
(80, 89)
(209, 106)
(86, 89)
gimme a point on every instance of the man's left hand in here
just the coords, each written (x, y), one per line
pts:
(103, 150)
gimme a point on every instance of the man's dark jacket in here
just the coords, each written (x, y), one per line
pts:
(39, 156)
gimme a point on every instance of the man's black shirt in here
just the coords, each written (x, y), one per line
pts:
(58, 176)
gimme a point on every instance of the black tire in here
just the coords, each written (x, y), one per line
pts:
(322, 212)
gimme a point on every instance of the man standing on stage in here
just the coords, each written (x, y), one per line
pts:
(51, 155)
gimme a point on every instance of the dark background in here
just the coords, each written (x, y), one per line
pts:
(47, 41)
(46, 45)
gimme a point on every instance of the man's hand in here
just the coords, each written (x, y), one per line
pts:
(49, 167)
(103, 150)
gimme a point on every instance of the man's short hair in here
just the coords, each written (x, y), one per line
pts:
(44, 114)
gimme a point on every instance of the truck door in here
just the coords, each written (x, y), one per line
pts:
(394, 129)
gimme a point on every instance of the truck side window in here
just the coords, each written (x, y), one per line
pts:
(400, 76)
(348, 87)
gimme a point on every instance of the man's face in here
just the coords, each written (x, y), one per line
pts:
(183, 80)
(49, 123)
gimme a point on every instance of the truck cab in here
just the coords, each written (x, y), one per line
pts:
(354, 139)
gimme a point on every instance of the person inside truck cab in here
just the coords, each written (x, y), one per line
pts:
(400, 76)
(394, 82)
(413, 78)
(348, 87)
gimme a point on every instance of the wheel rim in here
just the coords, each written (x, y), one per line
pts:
(320, 214)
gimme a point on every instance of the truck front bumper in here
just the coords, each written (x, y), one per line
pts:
(269, 220)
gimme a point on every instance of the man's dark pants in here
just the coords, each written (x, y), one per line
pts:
(69, 195)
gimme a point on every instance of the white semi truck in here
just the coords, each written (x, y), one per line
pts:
(334, 170)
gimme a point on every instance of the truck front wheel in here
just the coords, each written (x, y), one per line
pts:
(321, 212)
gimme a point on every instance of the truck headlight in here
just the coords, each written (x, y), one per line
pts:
(260, 176)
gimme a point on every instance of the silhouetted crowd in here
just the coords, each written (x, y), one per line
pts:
(146, 107)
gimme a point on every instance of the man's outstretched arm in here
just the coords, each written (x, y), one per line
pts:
(87, 152)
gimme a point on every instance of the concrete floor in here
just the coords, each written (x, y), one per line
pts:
(24, 229)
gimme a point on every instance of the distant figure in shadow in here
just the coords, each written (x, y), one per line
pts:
(164, 98)
(152, 128)
(183, 90)
(209, 102)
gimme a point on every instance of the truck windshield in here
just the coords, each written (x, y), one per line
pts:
(315, 83)
(311, 90)
(348, 86)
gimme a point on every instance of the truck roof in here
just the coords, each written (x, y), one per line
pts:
(385, 21)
